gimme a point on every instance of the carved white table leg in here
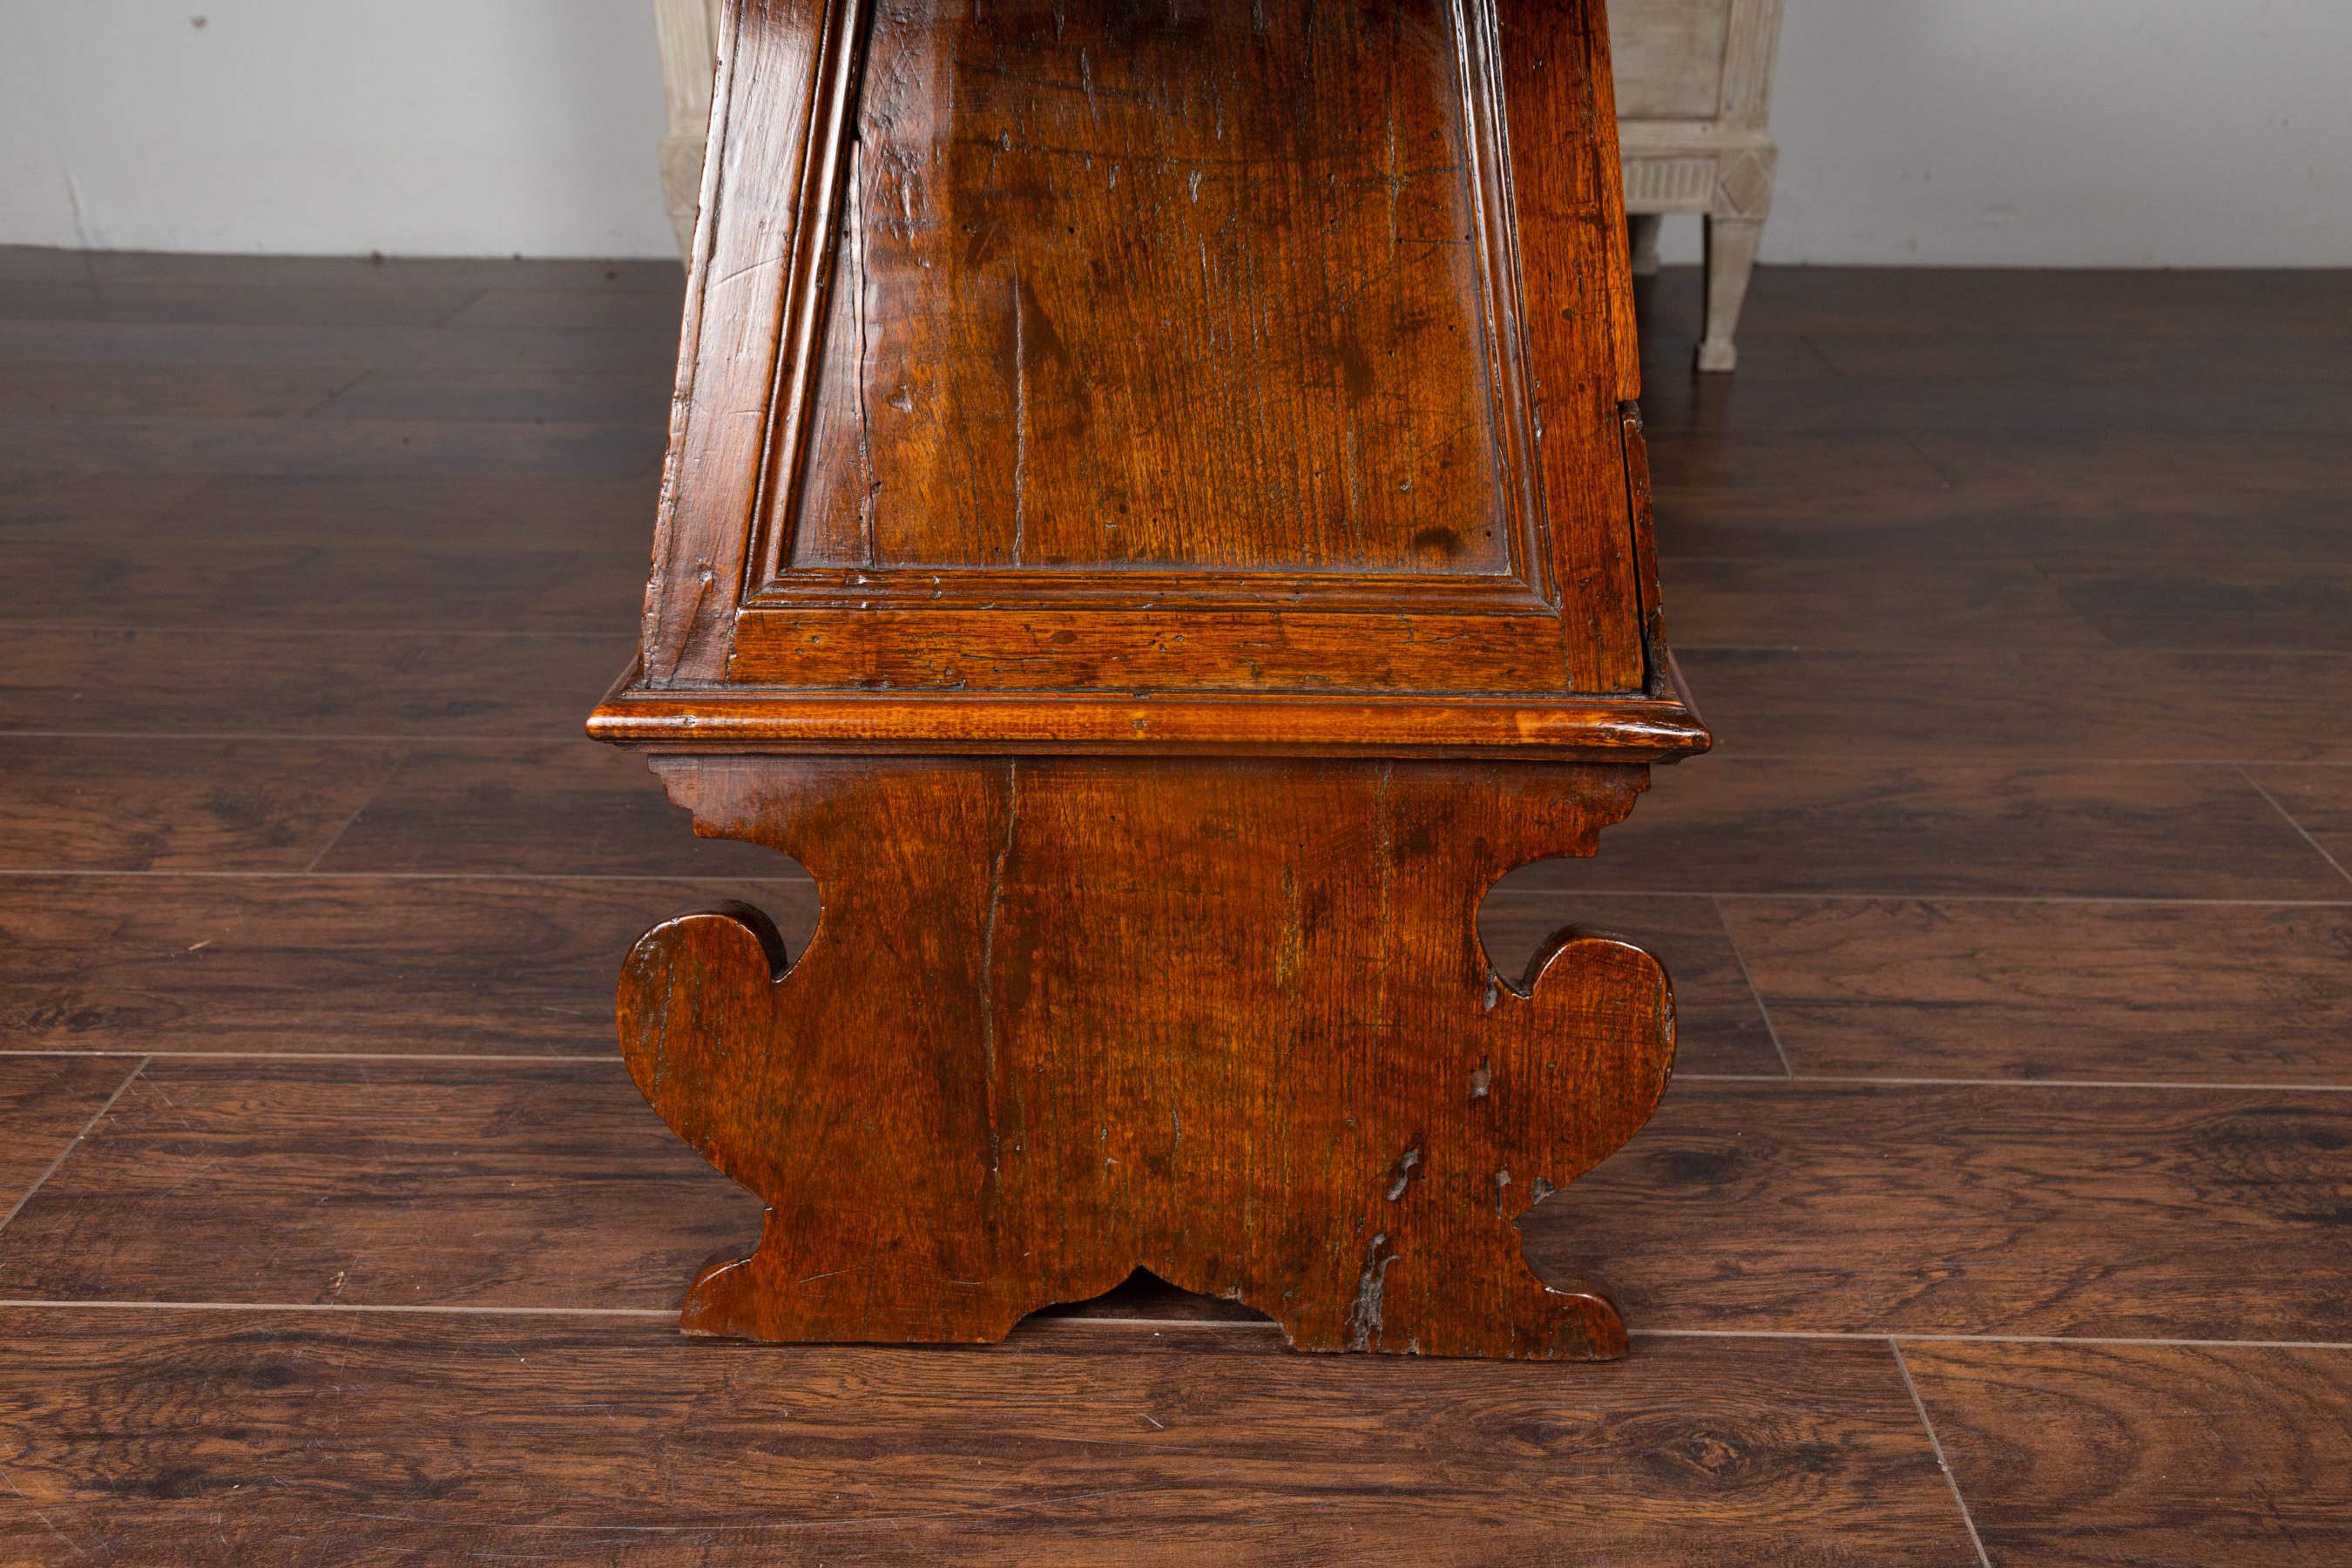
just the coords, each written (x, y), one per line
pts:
(689, 30)
(1645, 227)
(1731, 245)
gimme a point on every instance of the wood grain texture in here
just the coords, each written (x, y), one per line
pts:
(239, 272)
(627, 313)
(308, 965)
(1913, 500)
(529, 808)
(514, 348)
(1877, 1208)
(80, 507)
(101, 803)
(185, 300)
(2024, 704)
(2100, 1455)
(2124, 993)
(2298, 604)
(2317, 800)
(1806, 825)
(171, 389)
(1122, 240)
(1254, 390)
(1227, 1021)
(1762, 602)
(319, 587)
(619, 398)
(490, 514)
(413, 448)
(2251, 305)
(432, 1437)
(382, 685)
(45, 1102)
(381, 1182)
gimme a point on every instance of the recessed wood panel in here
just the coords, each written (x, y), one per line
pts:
(1190, 283)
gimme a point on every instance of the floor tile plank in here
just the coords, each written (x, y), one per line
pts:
(564, 396)
(324, 964)
(2298, 604)
(81, 508)
(1726, 823)
(1749, 602)
(45, 1102)
(653, 354)
(417, 1438)
(163, 580)
(376, 1183)
(112, 803)
(535, 809)
(349, 685)
(2021, 705)
(1971, 1210)
(342, 447)
(2126, 992)
(185, 391)
(2318, 800)
(2119, 1455)
(482, 513)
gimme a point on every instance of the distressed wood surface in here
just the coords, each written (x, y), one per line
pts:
(1227, 1021)
(1233, 352)
(1091, 247)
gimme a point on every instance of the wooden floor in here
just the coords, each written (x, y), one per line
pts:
(2003, 1209)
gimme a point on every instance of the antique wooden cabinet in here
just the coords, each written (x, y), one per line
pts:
(1156, 521)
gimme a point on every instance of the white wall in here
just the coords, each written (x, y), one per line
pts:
(416, 127)
(2091, 132)
(2061, 132)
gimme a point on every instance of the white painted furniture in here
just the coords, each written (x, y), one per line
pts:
(690, 45)
(1694, 85)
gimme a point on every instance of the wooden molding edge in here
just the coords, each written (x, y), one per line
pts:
(1633, 729)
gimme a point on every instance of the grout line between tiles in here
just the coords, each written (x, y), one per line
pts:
(2085, 1341)
(1942, 1463)
(693, 875)
(382, 1058)
(358, 375)
(73, 1144)
(553, 1059)
(384, 1309)
(551, 736)
(1884, 898)
(703, 875)
(568, 732)
(2318, 848)
(1771, 1032)
(398, 761)
(2110, 1341)
(1902, 1080)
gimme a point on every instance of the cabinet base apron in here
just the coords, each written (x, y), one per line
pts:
(1226, 1020)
